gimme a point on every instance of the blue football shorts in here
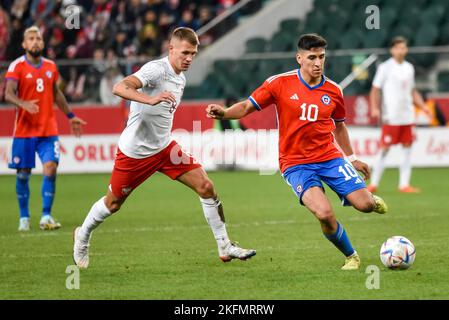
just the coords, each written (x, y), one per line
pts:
(337, 173)
(23, 153)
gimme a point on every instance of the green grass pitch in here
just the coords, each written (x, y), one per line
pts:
(160, 247)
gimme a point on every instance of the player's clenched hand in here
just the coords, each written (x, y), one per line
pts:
(76, 126)
(375, 114)
(363, 168)
(30, 106)
(164, 96)
(215, 111)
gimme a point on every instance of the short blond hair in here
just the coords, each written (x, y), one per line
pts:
(186, 34)
(31, 29)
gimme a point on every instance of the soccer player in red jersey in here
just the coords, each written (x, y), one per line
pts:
(311, 115)
(32, 88)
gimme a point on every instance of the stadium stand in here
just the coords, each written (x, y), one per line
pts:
(342, 23)
(108, 31)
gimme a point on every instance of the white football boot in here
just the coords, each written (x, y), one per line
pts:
(80, 251)
(24, 224)
(232, 251)
(48, 223)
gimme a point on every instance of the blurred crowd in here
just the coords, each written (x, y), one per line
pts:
(104, 30)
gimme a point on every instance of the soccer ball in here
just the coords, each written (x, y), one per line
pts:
(397, 253)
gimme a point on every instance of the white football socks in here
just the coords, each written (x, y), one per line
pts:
(213, 211)
(378, 168)
(94, 218)
(405, 170)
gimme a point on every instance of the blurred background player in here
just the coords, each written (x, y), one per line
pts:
(32, 88)
(311, 112)
(395, 78)
(146, 146)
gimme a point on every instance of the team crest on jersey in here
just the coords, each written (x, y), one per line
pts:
(326, 99)
(16, 160)
(48, 74)
(299, 188)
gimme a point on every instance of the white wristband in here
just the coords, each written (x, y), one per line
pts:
(352, 158)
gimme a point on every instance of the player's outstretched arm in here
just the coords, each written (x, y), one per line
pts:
(127, 89)
(75, 122)
(342, 137)
(236, 111)
(11, 97)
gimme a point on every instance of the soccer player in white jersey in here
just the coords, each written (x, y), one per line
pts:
(146, 146)
(395, 79)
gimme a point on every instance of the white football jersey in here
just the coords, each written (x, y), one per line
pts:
(148, 129)
(397, 81)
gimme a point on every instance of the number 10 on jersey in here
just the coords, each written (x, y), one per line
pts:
(309, 112)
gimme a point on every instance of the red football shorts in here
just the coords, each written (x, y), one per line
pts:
(129, 173)
(397, 134)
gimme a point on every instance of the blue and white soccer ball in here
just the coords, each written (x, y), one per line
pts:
(397, 253)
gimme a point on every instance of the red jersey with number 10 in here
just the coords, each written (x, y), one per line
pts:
(306, 117)
(35, 82)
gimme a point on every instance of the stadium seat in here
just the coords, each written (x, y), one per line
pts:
(315, 22)
(404, 30)
(444, 34)
(388, 16)
(408, 16)
(396, 5)
(338, 67)
(255, 45)
(210, 88)
(347, 5)
(267, 68)
(443, 81)
(375, 38)
(322, 4)
(351, 39)
(427, 35)
(331, 35)
(290, 26)
(281, 42)
(434, 14)
(337, 19)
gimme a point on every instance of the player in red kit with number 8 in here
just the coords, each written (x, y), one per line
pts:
(311, 115)
(32, 87)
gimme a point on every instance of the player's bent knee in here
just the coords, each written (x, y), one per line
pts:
(325, 215)
(50, 168)
(206, 189)
(365, 207)
(114, 206)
